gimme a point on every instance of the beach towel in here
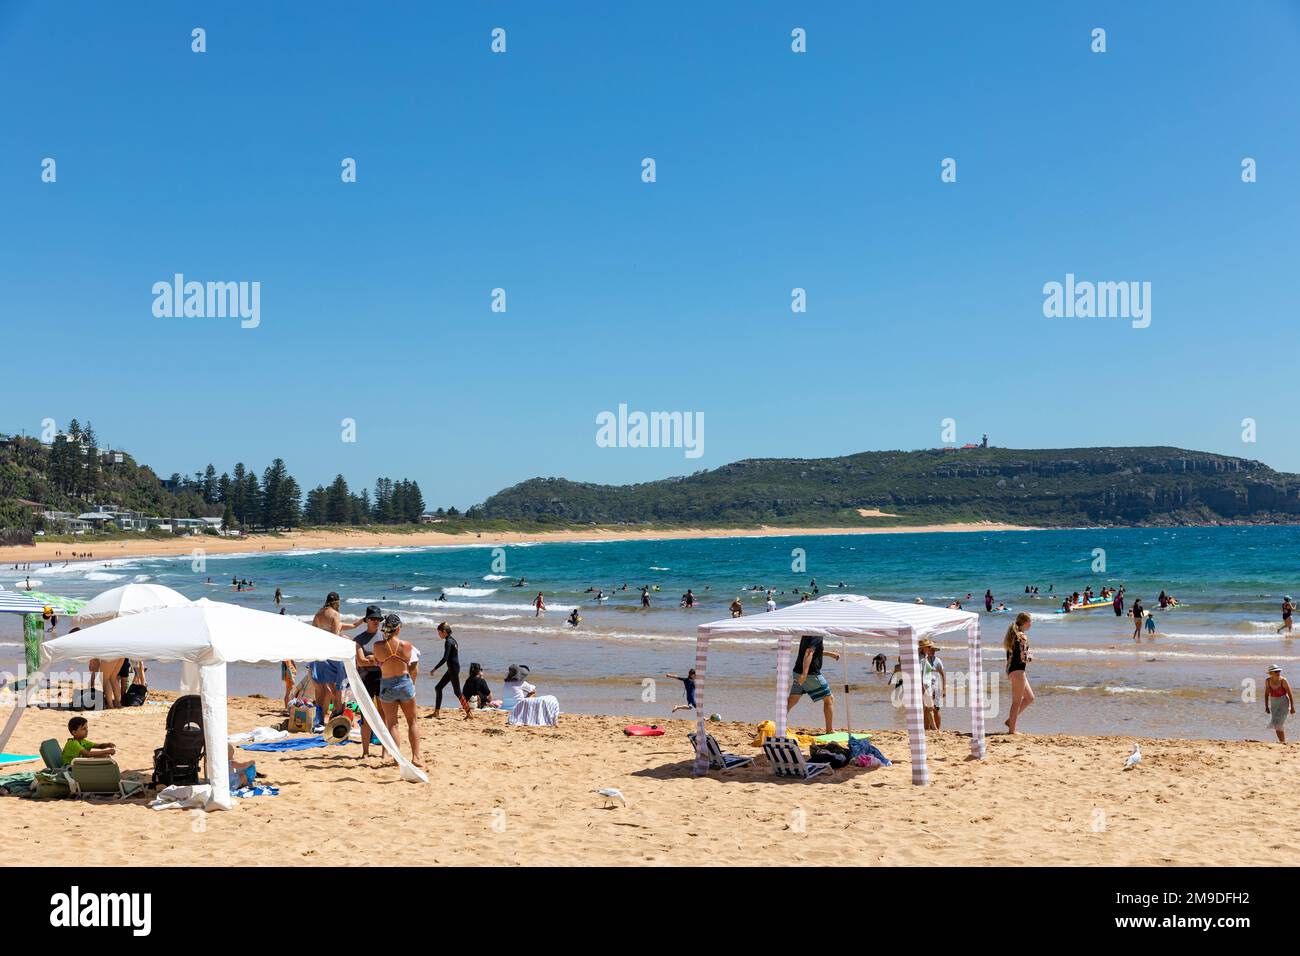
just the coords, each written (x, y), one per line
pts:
(295, 743)
(259, 791)
(19, 782)
(6, 759)
(259, 735)
(859, 748)
(535, 712)
(768, 729)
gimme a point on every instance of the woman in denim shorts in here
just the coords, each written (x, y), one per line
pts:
(396, 689)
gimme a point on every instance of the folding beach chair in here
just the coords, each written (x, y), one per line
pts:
(52, 754)
(100, 775)
(177, 760)
(717, 759)
(787, 759)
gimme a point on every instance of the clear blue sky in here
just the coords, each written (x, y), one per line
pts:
(522, 171)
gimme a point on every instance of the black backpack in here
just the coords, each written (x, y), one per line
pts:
(178, 760)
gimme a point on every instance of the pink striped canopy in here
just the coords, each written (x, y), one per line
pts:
(848, 618)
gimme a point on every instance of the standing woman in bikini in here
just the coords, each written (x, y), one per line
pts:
(1016, 644)
(396, 689)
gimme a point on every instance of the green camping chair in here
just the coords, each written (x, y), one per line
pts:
(52, 754)
(100, 775)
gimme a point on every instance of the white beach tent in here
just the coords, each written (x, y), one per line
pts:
(205, 636)
(852, 617)
(127, 599)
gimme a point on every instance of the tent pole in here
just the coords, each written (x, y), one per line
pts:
(844, 660)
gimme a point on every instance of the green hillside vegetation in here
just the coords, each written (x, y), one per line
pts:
(1047, 488)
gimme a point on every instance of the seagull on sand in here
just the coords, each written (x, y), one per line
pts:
(1134, 758)
(611, 793)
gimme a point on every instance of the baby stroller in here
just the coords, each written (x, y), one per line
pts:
(177, 760)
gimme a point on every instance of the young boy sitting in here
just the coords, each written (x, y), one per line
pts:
(79, 746)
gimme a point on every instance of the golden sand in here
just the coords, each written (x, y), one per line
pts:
(109, 550)
(506, 795)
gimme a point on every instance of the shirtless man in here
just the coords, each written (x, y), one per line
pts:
(327, 675)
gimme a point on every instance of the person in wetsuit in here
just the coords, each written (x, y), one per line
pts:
(450, 657)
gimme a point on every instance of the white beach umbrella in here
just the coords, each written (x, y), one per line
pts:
(128, 599)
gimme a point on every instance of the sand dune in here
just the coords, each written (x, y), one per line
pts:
(503, 796)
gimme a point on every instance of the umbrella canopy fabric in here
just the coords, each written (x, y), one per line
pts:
(201, 632)
(12, 602)
(844, 617)
(62, 605)
(128, 599)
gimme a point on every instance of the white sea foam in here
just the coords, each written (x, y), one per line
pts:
(467, 592)
(418, 588)
(1111, 690)
(494, 577)
(461, 605)
(104, 576)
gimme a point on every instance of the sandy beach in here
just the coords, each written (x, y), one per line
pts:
(289, 541)
(502, 796)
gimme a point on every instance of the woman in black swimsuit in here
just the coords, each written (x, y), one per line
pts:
(450, 657)
(1016, 644)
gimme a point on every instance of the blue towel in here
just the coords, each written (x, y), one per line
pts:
(17, 758)
(861, 745)
(247, 792)
(292, 743)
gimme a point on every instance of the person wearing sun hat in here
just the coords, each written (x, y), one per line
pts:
(1278, 701)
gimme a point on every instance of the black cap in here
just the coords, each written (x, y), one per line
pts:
(373, 613)
(392, 623)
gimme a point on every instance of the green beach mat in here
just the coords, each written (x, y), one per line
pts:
(840, 737)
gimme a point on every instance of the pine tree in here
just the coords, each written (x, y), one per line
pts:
(90, 474)
(210, 484)
(236, 498)
(252, 499)
(228, 518)
(415, 503)
(337, 504)
(316, 511)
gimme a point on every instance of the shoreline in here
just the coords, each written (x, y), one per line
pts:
(502, 796)
(339, 540)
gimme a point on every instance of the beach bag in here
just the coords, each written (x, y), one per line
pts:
(833, 754)
(50, 785)
(300, 715)
(135, 695)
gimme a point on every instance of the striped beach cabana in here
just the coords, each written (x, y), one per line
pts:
(848, 618)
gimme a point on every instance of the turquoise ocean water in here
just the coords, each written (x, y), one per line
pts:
(1090, 676)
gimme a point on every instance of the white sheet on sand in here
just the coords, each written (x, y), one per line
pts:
(535, 712)
(258, 735)
(182, 798)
